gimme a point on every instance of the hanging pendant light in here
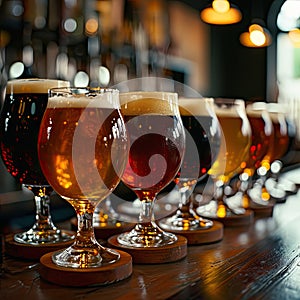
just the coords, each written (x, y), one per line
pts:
(257, 36)
(221, 13)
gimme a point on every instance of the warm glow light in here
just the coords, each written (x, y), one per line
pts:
(294, 36)
(257, 37)
(221, 13)
(91, 26)
(221, 6)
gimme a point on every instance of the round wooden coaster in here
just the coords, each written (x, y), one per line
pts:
(72, 277)
(238, 220)
(154, 255)
(107, 231)
(33, 252)
(234, 219)
(262, 210)
(202, 236)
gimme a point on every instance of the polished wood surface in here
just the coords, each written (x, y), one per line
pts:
(259, 261)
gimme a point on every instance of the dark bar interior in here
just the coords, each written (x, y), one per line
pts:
(249, 247)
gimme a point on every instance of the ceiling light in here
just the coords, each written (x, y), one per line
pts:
(221, 13)
(257, 36)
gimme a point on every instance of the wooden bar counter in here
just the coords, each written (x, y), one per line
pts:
(260, 261)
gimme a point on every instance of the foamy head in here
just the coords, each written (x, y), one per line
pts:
(196, 106)
(137, 103)
(33, 85)
(256, 109)
(83, 97)
(225, 107)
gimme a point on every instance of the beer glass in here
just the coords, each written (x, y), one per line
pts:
(202, 145)
(232, 157)
(21, 115)
(271, 163)
(157, 143)
(261, 140)
(82, 149)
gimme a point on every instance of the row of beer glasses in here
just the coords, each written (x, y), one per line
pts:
(85, 149)
(269, 143)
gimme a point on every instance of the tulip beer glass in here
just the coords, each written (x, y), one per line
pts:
(157, 142)
(202, 144)
(23, 109)
(83, 151)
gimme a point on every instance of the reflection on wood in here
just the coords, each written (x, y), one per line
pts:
(260, 261)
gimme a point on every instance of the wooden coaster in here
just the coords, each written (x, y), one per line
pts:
(72, 277)
(154, 255)
(238, 220)
(107, 231)
(234, 219)
(262, 210)
(202, 236)
(33, 252)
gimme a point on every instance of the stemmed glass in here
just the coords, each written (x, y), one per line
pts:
(82, 149)
(272, 160)
(262, 138)
(21, 115)
(202, 145)
(157, 143)
(233, 154)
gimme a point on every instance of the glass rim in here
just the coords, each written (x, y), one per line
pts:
(84, 91)
(34, 85)
(143, 94)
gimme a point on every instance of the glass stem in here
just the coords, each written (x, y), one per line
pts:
(146, 215)
(186, 203)
(85, 233)
(43, 217)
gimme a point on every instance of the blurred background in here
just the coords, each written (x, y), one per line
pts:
(107, 41)
(104, 42)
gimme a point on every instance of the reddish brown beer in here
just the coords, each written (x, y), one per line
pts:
(279, 145)
(156, 144)
(262, 136)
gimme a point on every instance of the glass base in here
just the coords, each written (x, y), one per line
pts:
(85, 257)
(36, 237)
(185, 222)
(145, 236)
(214, 210)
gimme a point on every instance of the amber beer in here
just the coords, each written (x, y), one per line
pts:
(154, 158)
(262, 135)
(204, 131)
(23, 109)
(280, 143)
(235, 143)
(71, 130)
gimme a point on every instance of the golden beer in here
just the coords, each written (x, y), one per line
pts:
(235, 142)
(82, 148)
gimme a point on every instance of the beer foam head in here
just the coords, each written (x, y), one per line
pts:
(33, 85)
(84, 97)
(137, 103)
(195, 106)
(226, 107)
(256, 109)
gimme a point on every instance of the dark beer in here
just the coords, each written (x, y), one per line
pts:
(200, 124)
(22, 112)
